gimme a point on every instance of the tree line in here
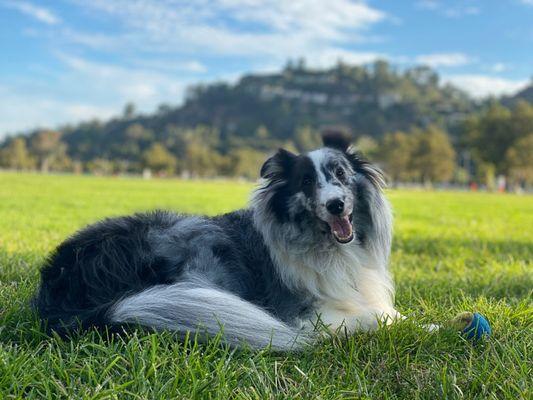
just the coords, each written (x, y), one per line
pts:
(415, 128)
(496, 140)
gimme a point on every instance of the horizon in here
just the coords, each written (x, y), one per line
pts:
(68, 61)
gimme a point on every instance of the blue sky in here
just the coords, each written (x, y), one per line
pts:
(70, 60)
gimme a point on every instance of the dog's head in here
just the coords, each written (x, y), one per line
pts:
(321, 187)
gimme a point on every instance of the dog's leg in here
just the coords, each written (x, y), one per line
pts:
(365, 320)
(377, 290)
(354, 317)
(395, 316)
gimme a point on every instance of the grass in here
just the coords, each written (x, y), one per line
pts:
(452, 252)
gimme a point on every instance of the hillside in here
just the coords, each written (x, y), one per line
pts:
(525, 94)
(370, 100)
(415, 127)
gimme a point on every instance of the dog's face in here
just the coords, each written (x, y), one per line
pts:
(319, 188)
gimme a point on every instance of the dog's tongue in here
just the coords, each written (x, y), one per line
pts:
(341, 228)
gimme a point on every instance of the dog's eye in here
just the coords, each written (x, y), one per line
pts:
(339, 173)
(306, 181)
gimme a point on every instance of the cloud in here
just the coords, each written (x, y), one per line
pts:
(84, 90)
(24, 111)
(444, 59)
(485, 85)
(171, 66)
(144, 87)
(450, 9)
(39, 13)
(499, 67)
(192, 66)
(243, 28)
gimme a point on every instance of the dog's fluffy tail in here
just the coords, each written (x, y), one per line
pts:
(199, 308)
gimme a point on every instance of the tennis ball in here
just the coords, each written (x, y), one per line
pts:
(473, 325)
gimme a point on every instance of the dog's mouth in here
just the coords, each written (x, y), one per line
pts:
(341, 228)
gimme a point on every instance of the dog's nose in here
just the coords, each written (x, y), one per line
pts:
(335, 206)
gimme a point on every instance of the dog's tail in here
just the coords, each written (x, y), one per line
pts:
(197, 307)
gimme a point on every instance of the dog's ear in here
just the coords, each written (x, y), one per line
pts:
(278, 165)
(336, 139)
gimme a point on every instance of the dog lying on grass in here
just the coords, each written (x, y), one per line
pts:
(312, 248)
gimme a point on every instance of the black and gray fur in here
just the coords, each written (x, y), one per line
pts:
(197, 274)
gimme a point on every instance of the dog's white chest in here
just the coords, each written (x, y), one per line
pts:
(359, 306)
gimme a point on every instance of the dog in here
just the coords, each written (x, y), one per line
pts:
(311, 250)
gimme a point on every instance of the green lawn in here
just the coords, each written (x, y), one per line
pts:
(452, 252)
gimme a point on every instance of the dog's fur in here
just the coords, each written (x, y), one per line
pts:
(263, 275)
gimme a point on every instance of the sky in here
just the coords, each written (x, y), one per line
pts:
(64, 61)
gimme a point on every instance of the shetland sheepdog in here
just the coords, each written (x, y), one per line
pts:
(311, 249)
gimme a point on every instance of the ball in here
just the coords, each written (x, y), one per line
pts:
(478, 328)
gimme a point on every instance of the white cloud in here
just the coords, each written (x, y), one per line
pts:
(39, 13)
(192, 66)
(86, 111)
(444, 59)
(450, 9)
(161, 64)
(84, 90)
(24, 111)
(461, 11)
(270, 29)
(499, 67)
(144, 87)
(485, 85)
(328, 20)
(527, 2)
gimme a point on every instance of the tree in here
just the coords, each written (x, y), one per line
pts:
(129, 110)
(395, 155)
(519, 160)
(201, 160)
(521, 119)
(307, 139)
(159, 159)
(262, 133)
(100, 166)
(367, 146)
(15, 155)
(247, 162)
(47, 146)
(137, 132)
(433, 157)
(489, 135)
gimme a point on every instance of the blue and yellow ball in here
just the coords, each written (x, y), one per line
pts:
(478, 328)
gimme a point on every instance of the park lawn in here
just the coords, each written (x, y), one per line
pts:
(452, 252)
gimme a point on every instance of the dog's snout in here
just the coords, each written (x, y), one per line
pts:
(335, 206)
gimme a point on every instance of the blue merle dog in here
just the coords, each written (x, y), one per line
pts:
(311, 248)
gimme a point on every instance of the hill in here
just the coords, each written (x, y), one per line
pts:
(368, 100)
(525, 94)
(364, 100)
(229, 128)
